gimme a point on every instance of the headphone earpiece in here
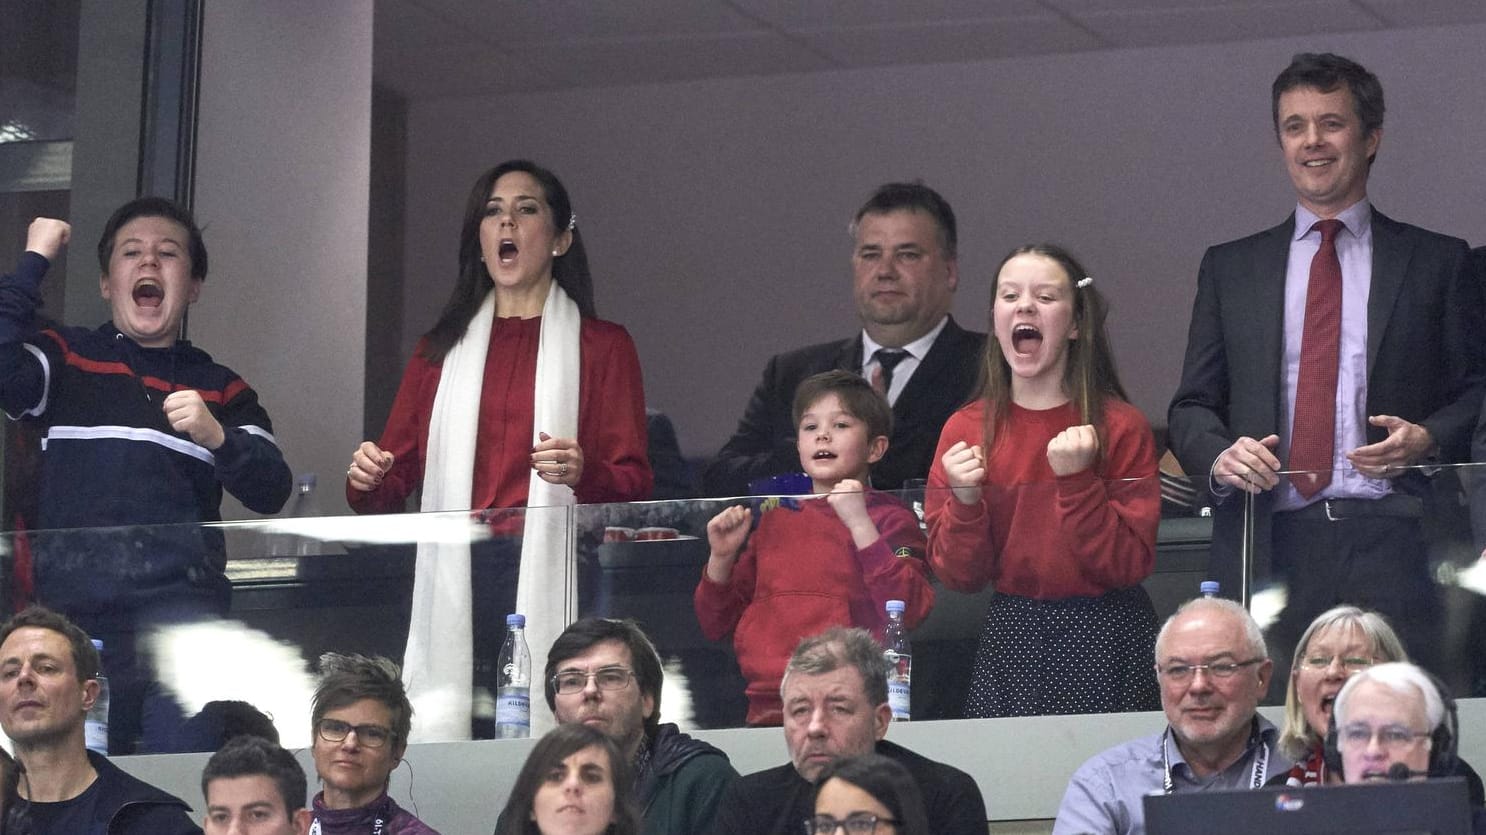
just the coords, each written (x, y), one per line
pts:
(1443, 742)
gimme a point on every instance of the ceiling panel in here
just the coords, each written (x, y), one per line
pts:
(654, 60)
(1427, 12)
(443, 48)
(558, 20)
(944, 43)
(796, 14)
(1228, 23)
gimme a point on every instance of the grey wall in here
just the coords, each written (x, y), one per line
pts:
(715, 212)
(282, 191)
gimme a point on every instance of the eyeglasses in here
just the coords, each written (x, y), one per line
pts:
(1390, 737)
(1350, 663)
(570, 682)
(857, 823)
(372, 736)
(1221, 669)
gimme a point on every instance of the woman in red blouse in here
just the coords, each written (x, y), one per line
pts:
(518, 397)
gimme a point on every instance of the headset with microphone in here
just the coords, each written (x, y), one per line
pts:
(1442, 742)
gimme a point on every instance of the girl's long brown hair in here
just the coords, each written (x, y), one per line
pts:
(1089, 375)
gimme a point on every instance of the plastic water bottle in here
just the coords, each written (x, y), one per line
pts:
(95, 726)
(899, 657)
(513, 683)
(301, 505)
(305, 506)
(1209, 588)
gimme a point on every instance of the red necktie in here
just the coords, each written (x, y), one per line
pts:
(887, 360)
(1313, 437)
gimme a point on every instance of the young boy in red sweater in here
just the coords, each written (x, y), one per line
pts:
(832, 560)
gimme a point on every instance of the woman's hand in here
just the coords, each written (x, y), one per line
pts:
(557, 460)
(369, 464)
(965, 470)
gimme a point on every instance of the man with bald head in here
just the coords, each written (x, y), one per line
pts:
(1213, 668)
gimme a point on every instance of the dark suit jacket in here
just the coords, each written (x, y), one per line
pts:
(764, 443)
(1425, 358)
(1477, 476)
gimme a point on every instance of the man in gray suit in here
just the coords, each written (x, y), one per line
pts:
(1337, 343)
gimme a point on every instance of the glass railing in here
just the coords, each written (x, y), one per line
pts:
(432, 590)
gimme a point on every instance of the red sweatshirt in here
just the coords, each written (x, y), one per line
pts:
(1035, 534)
(800, 574)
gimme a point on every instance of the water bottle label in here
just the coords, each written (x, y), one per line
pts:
(897, 699)
(95, 736)
(513, 708)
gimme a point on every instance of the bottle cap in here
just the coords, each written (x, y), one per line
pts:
(516, 620)
(896, 606)
(1209, 588)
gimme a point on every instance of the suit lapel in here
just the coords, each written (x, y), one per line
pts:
(938, 361)
(1390, 261)
(1271, 262)
(849, 355)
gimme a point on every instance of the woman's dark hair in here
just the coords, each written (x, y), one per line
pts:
(1089, 375)
(889, 782)
(569, 270)
(559, 744)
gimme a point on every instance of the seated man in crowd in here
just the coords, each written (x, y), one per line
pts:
(48, 682)
(361, 719)
(835, 705)
(606, 673)
(904, 278)
(253, 786)
(1213, 668)
(1394, 723)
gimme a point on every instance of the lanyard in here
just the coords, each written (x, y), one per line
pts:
(1256, 777)
(378, 822)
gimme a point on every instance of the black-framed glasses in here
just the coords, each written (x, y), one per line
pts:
(1350, 663)
(568, 682)
(856, 823)
(1391, 737)
(372, 736)
(1218, 669)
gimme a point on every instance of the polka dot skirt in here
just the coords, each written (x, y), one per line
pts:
(1077, 655)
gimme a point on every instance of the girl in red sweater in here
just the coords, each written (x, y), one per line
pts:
(1045, 487)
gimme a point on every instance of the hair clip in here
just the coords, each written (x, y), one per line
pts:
(572, 221)
(1084, 282)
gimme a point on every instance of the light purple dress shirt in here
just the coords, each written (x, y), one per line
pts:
(1354, 250)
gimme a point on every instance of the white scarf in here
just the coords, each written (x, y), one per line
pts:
(438, 662)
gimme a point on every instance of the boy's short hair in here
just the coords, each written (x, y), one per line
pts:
(347, 679)
(254, 756)
(857, 397)
(84, 656)
(154, 207)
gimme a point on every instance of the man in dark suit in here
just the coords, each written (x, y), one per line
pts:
(1329, 361)
(904, 279)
